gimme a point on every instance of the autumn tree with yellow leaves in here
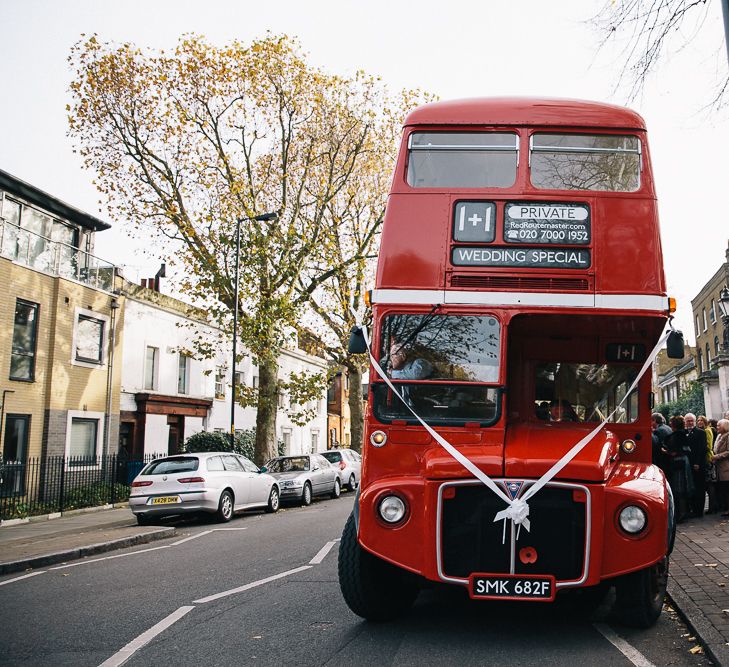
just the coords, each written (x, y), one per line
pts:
(185, 144)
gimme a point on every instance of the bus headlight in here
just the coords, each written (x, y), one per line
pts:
(628, 446)
(632, 519)
(378, 438)
(392, 509)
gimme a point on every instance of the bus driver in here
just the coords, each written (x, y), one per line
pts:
(402, 369)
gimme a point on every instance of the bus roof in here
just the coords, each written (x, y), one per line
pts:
(525, 111)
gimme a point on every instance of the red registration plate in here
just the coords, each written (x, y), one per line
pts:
(535, 587)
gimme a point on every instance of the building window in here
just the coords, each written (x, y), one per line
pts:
(15, 454)
(255, 382)
(150, 367)
(315, 441)
(703, 312)
(286, 437)
(712, 312)
(84, 440)
(240, 378)
(701, 362)
(25, 333)
(220, 383)
(282, 400)
(708, 357)
(716, 346)
(183, 368)
(698, 329)
(89, 339)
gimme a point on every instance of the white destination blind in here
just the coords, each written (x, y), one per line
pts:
(531, 222)
(538, 258)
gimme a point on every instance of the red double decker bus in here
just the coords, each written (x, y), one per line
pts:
(519, 298)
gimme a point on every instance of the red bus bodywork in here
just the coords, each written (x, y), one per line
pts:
(565, 314)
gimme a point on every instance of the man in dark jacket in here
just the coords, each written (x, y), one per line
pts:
(661, 431)
(696, 439)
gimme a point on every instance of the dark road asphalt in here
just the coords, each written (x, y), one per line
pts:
(88, 612)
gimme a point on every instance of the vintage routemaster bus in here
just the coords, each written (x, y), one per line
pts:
(519, 298)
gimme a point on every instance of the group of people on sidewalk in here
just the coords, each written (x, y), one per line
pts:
(693, 452)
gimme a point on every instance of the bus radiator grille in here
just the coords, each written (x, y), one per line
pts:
(472, 542)
(522, 283)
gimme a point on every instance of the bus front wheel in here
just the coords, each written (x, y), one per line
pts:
(372, 588)
(639, 595)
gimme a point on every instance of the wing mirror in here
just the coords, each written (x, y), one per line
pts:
(357, 343)
(674, 345)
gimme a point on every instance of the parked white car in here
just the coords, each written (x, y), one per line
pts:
(348, 463)
(219, 483)
(304, 476)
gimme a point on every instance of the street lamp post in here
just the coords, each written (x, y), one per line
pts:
(724, 305)
(264, 217)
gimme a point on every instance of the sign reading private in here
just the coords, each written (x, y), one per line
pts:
(540, 258)
(531, 222)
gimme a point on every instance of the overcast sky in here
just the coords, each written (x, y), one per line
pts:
(457, 49)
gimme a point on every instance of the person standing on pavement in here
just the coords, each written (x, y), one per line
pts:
(660, 431)
(679, 477)
(696, 439)
(703, 423)
(721, 460)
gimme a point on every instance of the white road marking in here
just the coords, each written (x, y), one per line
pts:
(192, 537)
(323, 552)
(25, 576)
(96, 560)
(631, 653)
(254, 584)
(121, 656)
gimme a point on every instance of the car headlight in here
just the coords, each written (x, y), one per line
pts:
(392, 509)
(632, 519)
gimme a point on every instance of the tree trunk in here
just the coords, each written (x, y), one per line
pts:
(356, 407)
(266, 411)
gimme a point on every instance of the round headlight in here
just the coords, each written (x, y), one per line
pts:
(378, 438)
(392, 509)
(632, 519)
(628, 446)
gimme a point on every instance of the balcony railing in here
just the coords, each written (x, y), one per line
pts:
(60, 259)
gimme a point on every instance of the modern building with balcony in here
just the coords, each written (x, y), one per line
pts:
(60, 333)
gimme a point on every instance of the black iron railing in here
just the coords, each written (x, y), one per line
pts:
(59, 484)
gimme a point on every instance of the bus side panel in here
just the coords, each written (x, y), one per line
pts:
(627, 247)
(635, 484)
(415, 233)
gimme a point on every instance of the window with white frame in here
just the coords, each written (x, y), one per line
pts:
(314, 441)
(220, 382)
(255, 382)
(240, 378)
(286, 437)
(84, 437)
(89, 338)
(712, 312)
(698, 328)
(151, 361)
(703, 312)
(282, 400)
(183, 372)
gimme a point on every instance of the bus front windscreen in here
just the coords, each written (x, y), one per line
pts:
(441, 363)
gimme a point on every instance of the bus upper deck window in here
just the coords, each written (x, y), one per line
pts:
(462, 160)
(606, 162)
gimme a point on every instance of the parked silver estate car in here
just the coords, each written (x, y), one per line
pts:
(304, 476)
(348, 464)
(220, 483)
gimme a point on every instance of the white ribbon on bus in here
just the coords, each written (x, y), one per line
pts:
(518, 508)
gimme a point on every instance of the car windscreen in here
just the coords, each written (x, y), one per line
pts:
(333, 457)
(289, 464)
(171, 466)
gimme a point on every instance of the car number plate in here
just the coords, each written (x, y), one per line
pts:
(165, 500)
(512, 587)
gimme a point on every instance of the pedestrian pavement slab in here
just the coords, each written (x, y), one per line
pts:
(38, 544)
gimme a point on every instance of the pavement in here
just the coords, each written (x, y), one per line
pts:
(698, 585)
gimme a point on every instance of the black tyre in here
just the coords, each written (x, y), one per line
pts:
(306, 495)
(225, 507)
(639, 595)
(143, 520)
(337, 490)
(273, 501)
(352, 483)
(372, 588)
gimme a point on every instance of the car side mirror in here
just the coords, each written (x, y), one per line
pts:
(315, 468)
(263, 469)
(357, 344)
(674, 345)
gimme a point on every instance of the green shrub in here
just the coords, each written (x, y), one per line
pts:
(93, 495)
(691, 400)
(216, 441)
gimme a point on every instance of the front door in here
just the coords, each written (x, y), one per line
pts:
(176, 433)
(15, 454)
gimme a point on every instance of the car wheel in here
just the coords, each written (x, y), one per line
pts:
(372, 588)
(273, 501)
(337, 491)
(143, 520)
(225, 507)
(639, 595)
(352, 483)
(306, 495)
